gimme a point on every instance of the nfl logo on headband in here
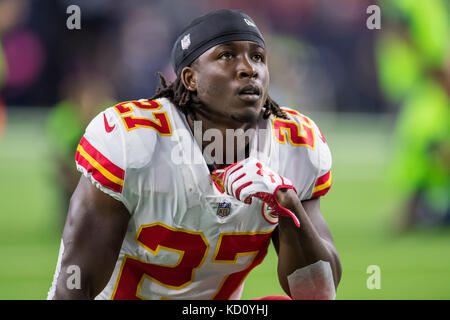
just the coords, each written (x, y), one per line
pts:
(248, 22)
(186, 41)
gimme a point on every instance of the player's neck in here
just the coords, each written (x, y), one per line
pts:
(222, 122)
(235, 143)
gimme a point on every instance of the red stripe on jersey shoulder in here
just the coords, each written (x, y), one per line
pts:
(323, 179)
(97, 175)
(100, 158)
(320, 193)
(322, 186)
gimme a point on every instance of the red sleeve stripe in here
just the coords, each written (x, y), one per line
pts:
(98, 176)
(323, 184)
(101, 159)
(320, 193)
(323, 179)
(99, 168)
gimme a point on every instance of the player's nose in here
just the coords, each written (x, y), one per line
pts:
(246, 69)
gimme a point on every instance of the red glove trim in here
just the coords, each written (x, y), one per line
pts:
(231, 186)
(282, 211)
(238, 190)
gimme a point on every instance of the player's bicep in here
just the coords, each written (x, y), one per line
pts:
(93, 234)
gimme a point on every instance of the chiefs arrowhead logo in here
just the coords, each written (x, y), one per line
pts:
(108, 128)
(269, 214)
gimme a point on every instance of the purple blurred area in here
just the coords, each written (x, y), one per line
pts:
(321, 55)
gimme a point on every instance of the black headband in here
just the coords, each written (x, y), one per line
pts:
(210, 30)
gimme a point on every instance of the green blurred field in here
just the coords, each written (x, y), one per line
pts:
(360, 210)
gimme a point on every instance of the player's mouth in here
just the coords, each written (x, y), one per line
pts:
(250, 93)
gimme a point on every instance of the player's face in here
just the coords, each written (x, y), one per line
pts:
(232, 80)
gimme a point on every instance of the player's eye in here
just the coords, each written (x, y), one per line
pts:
(258, 57)
(226, 55)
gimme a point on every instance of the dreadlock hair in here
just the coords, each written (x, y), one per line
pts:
(188, 102)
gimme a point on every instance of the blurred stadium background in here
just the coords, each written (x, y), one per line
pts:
(381, 98)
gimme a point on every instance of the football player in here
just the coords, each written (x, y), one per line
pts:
(156, 215)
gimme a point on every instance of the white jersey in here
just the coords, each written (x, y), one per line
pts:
(185, 239)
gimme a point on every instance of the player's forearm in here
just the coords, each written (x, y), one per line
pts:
(84, 272)
(72, 284)
(63, 293)
(304, 246)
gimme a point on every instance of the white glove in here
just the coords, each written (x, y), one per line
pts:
(251, 178)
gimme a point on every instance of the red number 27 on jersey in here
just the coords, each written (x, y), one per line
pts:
(160, 121)
(193, 249)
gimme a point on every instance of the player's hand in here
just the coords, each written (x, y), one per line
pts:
(251, 178)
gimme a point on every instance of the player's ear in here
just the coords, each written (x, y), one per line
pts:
(188, 79)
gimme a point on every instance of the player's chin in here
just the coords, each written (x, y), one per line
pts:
(248, 113)
(247, 108)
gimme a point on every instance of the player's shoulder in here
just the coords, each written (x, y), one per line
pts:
(130, 116)
(303, 144)
(302, 119)
(143, 113)
(295, 115)
(298, 130)
(134, 112)
(300, 137)
(128, 132)
(120, 141)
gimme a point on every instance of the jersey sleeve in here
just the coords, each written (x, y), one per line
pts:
(100, 155)
(305, 156)
(321, 162)
(115, 152)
